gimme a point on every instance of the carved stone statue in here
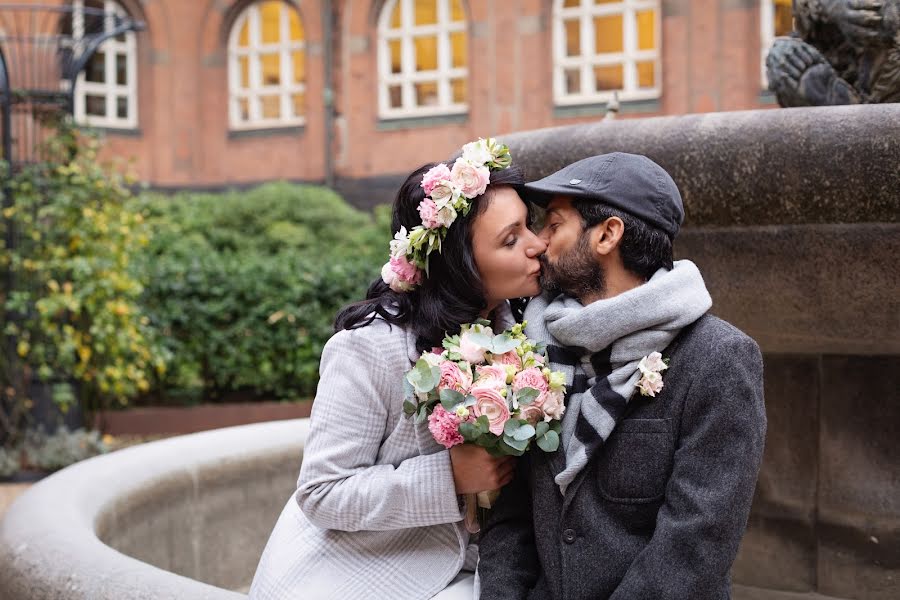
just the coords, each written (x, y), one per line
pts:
(841, 52)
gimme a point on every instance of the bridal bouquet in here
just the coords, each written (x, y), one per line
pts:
(490, 390)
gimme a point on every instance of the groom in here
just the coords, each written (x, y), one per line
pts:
(648, 495)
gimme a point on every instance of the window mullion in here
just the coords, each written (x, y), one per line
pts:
(629, 22)
(254, 60)
(408, 56)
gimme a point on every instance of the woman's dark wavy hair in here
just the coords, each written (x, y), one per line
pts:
(453, 293)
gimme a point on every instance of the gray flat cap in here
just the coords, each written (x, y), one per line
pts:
(629, 182)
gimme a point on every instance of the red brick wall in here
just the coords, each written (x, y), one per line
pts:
(710, 58)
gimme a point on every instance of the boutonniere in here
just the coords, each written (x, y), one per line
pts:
(651, 368)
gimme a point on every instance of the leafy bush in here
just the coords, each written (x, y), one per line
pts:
(9, 462)
(244, 286)
(75, 299)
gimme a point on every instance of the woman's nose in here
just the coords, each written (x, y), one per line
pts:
(537, 247)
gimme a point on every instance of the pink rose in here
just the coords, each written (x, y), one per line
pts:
(490, 376)
(444, 426)
(509, 358)
(471, 180)
(434, 176)
(406, 271)
(552, 404)
(470, 351)
(390, 277)
(454, 378)
(532, 414)
(428, 210)
(490, 403)
(532, 378)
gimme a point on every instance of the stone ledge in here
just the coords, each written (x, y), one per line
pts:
(835, 164)
(68, 536)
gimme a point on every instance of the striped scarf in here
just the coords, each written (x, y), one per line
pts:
(599, 346)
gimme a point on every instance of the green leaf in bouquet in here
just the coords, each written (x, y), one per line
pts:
(482, 339)
(541, 428)
(408, 390)
(450, 399)
(423, 376)
(549, 442)
(409, 408)
(422, 414)
(556, 425)
(483, 424)
(503, 343)
(512, 442)
(527, 395)
(470, 401)
(505, 449)
(524, 432)
(469, 432)
(511, 426)
(487, 440)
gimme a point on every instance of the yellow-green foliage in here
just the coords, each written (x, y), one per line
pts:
(75, 296)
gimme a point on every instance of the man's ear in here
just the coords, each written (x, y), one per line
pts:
(608, 236)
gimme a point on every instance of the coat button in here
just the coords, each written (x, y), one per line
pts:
(569, 536)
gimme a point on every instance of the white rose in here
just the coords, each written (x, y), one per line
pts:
(399, 245)
(446, 216)
(477, 152)
(470, 351)
(652, 363)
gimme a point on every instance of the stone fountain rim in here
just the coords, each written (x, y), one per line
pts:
(49, 535)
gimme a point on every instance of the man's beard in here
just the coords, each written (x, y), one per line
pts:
(577, 273)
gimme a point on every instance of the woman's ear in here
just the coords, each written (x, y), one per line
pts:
(608, 235)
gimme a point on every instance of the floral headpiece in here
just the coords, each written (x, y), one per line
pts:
(447, 194)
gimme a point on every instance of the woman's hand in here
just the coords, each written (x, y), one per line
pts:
(474, 470)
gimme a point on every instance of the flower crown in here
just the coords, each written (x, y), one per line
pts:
(447, 194)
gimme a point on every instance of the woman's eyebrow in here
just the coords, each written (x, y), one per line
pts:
(509, 228)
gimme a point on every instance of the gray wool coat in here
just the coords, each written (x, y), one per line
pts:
(375, 513)
(659, 511)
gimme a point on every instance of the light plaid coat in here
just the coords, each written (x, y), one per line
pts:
(375, 514)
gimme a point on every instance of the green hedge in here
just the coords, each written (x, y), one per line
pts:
(244, 286)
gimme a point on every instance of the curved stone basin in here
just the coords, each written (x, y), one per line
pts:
(181, 518)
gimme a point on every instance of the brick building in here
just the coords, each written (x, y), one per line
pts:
(356, 92)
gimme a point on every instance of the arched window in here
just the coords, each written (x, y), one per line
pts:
(267, 67)
(422, 58)
(602, 46)
(106, 90)
(776, 19)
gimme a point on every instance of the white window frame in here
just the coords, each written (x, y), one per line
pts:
(109, 89)
(286, 87)
(766, 37)
(408, 76)
(587, 59)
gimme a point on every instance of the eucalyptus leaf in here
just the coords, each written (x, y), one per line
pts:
(469, 431)
(527, 395)
(524, 433)
(549, 442)
(482, 339)
(541, 428)
(517, 445)
(503, 343)
(409, 408)
(450, 399)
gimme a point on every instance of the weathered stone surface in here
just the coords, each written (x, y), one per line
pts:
(859, 480)
(828, 289)
(185, 517)
(779, 548)
(836, 164)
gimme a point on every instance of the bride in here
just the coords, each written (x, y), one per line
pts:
(378, 511)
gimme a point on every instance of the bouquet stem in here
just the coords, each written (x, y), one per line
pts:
(483, 499)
